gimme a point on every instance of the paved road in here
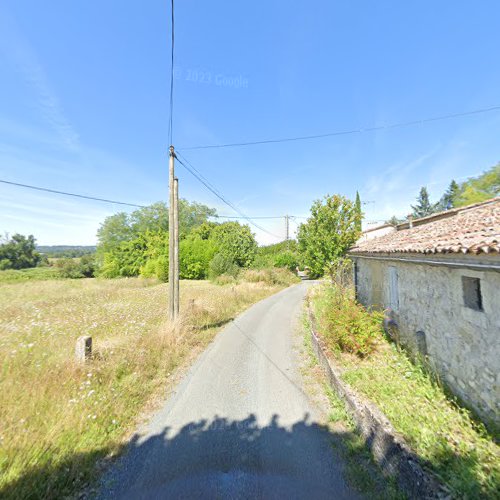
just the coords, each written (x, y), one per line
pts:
(239, 425)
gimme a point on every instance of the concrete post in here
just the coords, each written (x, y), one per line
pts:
(83, 349)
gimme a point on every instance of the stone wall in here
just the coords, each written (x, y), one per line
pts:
(428, 308)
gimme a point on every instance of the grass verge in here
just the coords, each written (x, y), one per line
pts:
(58, 418)
(361, 471)
(456, 447)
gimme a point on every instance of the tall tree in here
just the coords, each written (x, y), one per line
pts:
(481, 188)
(327, 235)
(424, 207)
(19, 252)
(448, 199)
(358, 210)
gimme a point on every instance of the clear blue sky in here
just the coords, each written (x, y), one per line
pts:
(84, 104)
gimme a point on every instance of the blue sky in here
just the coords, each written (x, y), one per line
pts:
(84, 104)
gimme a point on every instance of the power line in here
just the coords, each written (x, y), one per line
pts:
(195, 173)
(251, 217)
(170, 121)
(75, 195)
(347, 132)
(114, 202)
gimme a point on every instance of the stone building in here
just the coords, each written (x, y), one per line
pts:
(438, 278)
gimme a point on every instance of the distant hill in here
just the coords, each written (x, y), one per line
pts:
(65, 250)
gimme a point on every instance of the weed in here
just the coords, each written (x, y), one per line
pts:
(54, 411)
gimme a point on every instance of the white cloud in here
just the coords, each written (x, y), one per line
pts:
(17, 48)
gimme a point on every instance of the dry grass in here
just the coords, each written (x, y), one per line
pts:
(58, 418)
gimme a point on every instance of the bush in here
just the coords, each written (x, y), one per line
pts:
(222, 264)
(225, 279)
(271, 276)
(77, 268)
(346, 325)
(287, 260)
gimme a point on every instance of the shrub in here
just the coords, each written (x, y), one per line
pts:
(195, 255)
(222, 264)
(271, 276)
(77, 268)
(225, 279)
(287, 260)
(346, 325)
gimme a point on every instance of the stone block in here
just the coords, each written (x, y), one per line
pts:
(83, 349)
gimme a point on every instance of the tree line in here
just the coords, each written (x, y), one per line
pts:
(136, 244)
(473, 190)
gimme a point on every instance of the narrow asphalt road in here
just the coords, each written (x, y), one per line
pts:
(239, 424)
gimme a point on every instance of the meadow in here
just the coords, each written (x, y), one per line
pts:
(58, 418)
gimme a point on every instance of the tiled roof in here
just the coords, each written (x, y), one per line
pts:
(473, 229)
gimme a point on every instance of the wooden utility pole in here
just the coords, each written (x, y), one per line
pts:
(287, 228)
(171, 236)
(176, 247)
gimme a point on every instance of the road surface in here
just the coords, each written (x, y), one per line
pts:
(239, 424)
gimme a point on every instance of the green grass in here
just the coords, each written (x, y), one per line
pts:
(361, 471)
(33, 273)
(455, 446)
(58, 418)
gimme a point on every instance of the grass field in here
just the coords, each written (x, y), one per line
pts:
(58, 418)
(455, 446)
(31, 274)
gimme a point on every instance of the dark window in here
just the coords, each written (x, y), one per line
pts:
(472, 293)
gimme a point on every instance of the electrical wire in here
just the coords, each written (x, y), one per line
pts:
(114, 202)
(346, 132)
(195, 173)
(251, 217)
(75, 195)
(171, 113)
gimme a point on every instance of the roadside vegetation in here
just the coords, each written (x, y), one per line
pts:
(58, 418)
(361, 471)
(457, 448)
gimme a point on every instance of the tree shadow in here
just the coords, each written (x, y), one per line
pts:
(208, 458)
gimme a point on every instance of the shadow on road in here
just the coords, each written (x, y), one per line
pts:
(217, 458)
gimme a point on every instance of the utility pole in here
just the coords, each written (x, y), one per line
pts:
(171, 236)
(176, 247)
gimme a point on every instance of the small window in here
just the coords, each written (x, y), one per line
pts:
(472, 293)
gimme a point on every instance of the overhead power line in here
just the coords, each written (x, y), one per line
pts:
(197, 174)
(171, 111)
(115, 202)
(347, 132)
(251, 217)
(75, 195)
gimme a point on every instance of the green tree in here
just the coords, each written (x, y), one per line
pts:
(236, 242)
(327, 235)
(424, 207)
(394, 221)
(358, 211)
(195, 255)
(448, 199)
(19, 252)
(480, 188)
(137, 243)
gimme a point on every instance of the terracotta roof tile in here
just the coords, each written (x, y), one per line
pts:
(473, 229)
